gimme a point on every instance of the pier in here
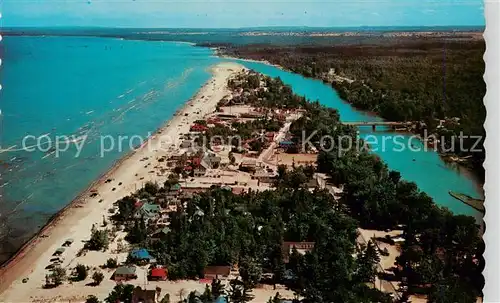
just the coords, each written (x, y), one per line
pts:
(392, 124)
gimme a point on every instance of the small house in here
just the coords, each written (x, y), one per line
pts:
(211, 161)
(301, 247)
(198, 128)
(148, 211)
(270, 136)
(216, 272)
(264, 176)
(141, 255)
(124, 273)
(186, 144)
(158, 274)
(248, 165)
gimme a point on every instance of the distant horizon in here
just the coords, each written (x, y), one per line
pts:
(235, 14)
(368, 27)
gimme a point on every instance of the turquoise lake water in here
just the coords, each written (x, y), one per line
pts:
(66, 86)
(104, 86)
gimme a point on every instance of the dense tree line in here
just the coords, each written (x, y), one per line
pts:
(442, 252)
(424, 80)
(221, 228)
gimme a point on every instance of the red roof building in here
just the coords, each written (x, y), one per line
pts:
(198, 128)
(158, 274)
(196, 161)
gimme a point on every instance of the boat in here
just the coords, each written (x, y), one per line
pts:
(477, 204)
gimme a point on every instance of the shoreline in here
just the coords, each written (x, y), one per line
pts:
(85, 210)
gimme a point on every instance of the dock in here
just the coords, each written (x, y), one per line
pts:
(477, 204)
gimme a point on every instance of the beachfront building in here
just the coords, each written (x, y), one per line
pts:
(198, 128)
(124, 273)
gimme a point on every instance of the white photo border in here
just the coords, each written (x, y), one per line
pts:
(491, 289)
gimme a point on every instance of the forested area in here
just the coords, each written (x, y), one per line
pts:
(420, 80)
(442, 252)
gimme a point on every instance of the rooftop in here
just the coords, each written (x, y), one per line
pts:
(125, 270)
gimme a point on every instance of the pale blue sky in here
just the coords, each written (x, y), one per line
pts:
(247, 13)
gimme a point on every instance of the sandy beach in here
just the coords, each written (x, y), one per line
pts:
(76, 220)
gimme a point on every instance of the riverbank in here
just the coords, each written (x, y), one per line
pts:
(131, 172)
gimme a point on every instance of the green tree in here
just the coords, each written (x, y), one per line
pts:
(120, 293)
(217, 289)
(239, 292)
(125, 208)
(367, 262)
(92, 299)
(111, 263)
(207, 294)
(98, 240)
(151, 188)
(58, 275)
(97, 277)
(138, 233)
(451, 290)
(250, 271)
(81, 272)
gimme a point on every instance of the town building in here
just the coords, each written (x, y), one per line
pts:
(301, 247)
(124, 273)
(158, 274)
(148, 212)
(216, 272)
(248, 165)
(210, 161)
(141, 255)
